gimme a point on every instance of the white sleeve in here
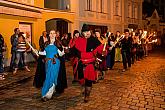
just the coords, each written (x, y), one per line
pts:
(61, 53)
(42, 52)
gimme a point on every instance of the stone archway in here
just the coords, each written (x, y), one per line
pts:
(58, 24)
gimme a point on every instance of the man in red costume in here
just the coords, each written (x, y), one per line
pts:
(87, 47)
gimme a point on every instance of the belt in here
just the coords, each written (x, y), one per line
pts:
(88, 61)
(53, 59)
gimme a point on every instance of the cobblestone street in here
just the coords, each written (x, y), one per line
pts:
(142, 87)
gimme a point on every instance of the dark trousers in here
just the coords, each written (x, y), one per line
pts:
(141, 51)
(75, 74)
(126, 56)
(137, 55)
(133, 53)
(88, 83)
(1, 64)
(12, 62)
(20, 59)
(61, 80)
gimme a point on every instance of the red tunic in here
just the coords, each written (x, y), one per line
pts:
(87, 56)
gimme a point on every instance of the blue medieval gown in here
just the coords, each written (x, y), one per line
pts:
(52, 71)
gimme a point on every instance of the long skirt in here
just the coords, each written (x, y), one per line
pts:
(62, 80)
(52, 71)
(118, 56)
(39, 77)
(111, 58)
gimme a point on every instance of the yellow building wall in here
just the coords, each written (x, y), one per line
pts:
(6, 29)
(39, 3)
(63, 15)
(8, 23)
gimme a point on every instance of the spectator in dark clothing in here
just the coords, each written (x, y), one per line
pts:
(65, 42)
(14, 42)
(2, 49)
(126, 50)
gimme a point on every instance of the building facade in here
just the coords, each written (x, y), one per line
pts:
(34, 17)
(109, 15)
(153, 25)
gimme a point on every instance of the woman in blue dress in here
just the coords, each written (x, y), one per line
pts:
(52, 66)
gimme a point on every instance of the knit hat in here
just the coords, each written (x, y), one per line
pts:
(85, 27)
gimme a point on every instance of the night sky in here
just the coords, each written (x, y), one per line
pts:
(150, 5)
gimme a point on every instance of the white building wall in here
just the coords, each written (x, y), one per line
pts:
(108, 17)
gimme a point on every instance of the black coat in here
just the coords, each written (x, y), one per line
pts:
(1, 44)
(14, 42)
(126, 44)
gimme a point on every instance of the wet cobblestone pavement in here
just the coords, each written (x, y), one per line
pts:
(142, 87)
